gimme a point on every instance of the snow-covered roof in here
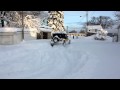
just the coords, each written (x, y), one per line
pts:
(6, 29)
(44, 26)
(99, 27)
(45, 29)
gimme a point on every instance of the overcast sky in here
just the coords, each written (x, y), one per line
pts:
(73, 19)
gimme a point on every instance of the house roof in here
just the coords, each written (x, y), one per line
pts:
(8, 29)
(99, 27)
(45, 28)
(73, 31)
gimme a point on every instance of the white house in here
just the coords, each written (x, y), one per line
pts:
(93, 28)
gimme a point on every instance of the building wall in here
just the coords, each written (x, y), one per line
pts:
(9, 38)
(6, 38)
(49, 35)
(30, 35)
(92, 31)
(17, 37)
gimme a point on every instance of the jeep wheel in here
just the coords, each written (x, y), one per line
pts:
(55, 40)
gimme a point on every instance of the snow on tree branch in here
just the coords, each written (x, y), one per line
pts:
(32, 23)
(14, 18)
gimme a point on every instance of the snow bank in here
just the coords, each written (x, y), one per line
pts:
(84, 58)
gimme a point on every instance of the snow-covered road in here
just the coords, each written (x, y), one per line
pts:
(83, 58)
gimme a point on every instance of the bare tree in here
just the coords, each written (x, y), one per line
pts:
(117, 15)
(104, 21)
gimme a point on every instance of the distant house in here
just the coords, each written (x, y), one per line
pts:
(92, 29)
(71, 33)
(81, 34)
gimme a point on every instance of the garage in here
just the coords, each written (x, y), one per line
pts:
(45, 33)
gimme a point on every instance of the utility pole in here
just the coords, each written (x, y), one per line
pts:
(67, 29)
(22, 26)
(86, 22)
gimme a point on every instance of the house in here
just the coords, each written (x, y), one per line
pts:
(73, 33)
(92, 29)
(81, 34)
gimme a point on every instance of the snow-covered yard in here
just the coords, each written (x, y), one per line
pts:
(84, 58)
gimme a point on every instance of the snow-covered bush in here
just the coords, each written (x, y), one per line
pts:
(101, 34)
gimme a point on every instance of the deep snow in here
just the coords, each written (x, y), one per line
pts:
(84, 58)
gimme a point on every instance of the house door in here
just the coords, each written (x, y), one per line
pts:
(45, 35)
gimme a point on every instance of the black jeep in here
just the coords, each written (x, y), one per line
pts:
(59, 37)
